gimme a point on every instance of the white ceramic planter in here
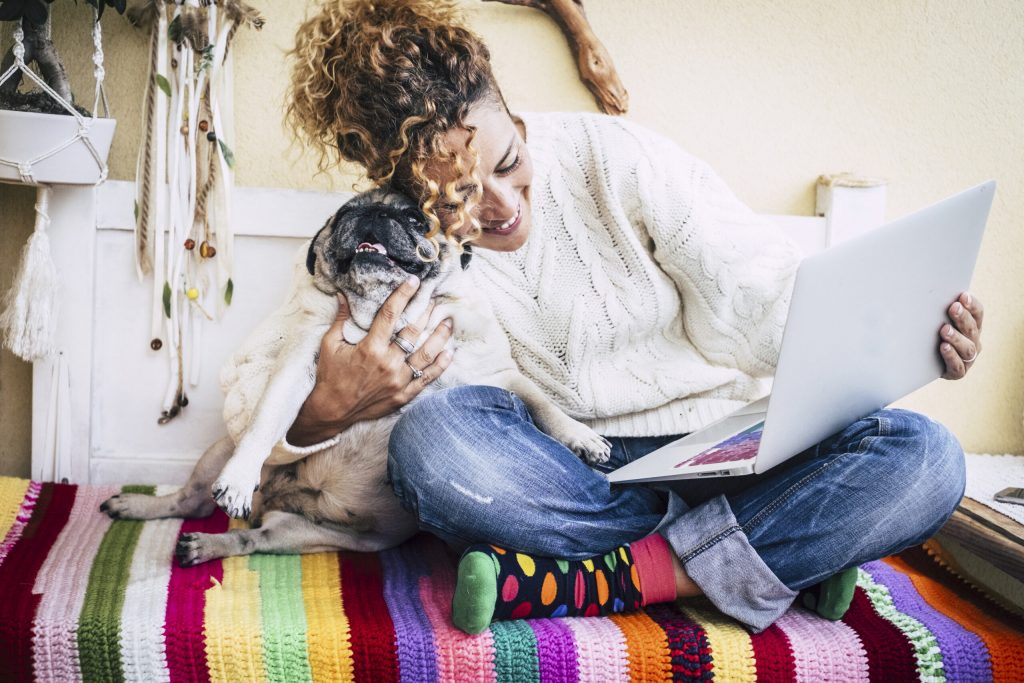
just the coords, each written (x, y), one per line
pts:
(27, 135)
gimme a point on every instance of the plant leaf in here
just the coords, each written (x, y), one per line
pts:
(229, 157)
(206, 61)
(164, 84)
(167, 300)
(174, 29)
(136, 212)
(229, 292)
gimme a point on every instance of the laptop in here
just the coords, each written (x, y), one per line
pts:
(862, 332)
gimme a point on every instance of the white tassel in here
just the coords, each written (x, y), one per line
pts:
(29, 318)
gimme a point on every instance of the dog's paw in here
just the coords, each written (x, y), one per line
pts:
(234, 488)
(128, 506)
(593, 448)
(468, 322)
(193, 549)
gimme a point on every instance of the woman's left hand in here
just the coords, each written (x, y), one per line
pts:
(961, 340)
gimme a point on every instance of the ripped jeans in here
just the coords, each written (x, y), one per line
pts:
(469, 462)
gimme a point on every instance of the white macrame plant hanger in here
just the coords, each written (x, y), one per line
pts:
(29, 316)
(24, 167)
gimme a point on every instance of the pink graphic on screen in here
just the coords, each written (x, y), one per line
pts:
(739, 447)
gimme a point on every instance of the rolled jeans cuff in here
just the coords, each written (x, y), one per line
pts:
(716, 554)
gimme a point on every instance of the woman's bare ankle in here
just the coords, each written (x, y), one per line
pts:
(685, 587)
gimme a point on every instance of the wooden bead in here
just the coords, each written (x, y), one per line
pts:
(192, 293)
(204, 125)
(206, 250)
(184, 129)
(156, 344)
(174, 63)
(211, 136)
(190, 244)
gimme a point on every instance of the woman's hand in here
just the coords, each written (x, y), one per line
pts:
(961, 340)
(373, 378)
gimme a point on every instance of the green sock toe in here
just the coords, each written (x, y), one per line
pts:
(476, 593)
(836, 594)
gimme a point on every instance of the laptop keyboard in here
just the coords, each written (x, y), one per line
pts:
(742, 446)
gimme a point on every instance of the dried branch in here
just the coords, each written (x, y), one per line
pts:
(592, 59)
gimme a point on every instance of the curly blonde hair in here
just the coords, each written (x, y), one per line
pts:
(377, 82)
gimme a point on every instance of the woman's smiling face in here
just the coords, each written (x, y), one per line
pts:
(505, 171)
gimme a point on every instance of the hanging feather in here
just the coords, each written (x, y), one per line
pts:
(242, 14)
(143, 15)
(190, 28)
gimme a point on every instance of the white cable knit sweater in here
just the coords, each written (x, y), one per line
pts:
(648, 300)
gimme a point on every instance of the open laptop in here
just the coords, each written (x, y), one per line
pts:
(862, 332)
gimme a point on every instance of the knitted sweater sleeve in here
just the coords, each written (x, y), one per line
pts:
(734, 269)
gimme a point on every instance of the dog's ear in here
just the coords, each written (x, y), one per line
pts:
(467, 255)
(311, 254)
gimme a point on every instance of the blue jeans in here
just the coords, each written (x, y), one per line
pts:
(472, 466)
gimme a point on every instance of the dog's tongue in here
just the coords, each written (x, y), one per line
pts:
(377, 246)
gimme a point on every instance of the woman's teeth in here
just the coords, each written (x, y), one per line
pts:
(508, 224)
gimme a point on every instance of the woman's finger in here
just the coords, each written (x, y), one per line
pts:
(430, 373)
(383, 325)
(974, 306)
(955, 368)
(963, 345)
(964, 321)
(432, 347)
(335, 337)
(410, 334)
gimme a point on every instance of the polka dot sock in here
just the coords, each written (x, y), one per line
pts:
(833, 596)
(496, 583)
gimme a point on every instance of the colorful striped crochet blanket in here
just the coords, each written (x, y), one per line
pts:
(85, 598)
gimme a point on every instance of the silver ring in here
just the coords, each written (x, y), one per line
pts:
(402, 343)
(416, 374)
(972, 358)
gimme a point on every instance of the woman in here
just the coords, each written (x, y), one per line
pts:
(644, 298)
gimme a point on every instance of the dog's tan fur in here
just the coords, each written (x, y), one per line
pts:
(337, 498)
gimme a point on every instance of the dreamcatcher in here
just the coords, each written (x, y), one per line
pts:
(185, 176)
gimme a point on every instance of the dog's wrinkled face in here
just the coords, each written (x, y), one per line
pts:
(369, 246)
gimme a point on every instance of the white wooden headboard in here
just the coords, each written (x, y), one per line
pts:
(95, 404)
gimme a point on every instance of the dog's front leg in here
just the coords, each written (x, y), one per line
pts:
(286, 391)
(578, 437)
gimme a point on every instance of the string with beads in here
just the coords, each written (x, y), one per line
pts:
(184, 178)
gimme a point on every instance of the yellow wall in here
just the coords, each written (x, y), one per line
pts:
(926, 93)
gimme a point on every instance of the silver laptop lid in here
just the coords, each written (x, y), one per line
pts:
(862, 329)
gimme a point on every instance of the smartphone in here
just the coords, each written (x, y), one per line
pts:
(1011, 495)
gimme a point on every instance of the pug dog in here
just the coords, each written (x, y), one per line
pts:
(339, 498)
